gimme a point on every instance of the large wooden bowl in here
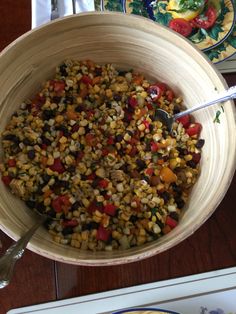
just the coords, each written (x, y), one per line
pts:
(128, 42)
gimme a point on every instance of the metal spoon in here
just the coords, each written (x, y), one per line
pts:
(168, 120)
(15, 251)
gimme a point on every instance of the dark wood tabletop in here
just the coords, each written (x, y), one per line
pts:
(37, 279)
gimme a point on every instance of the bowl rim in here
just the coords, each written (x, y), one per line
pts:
(140, 255)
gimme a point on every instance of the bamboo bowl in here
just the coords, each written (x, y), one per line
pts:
(127, 42)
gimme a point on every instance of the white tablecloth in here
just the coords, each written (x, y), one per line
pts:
(41, 9)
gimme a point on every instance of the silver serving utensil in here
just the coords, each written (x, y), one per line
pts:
(168, 120)
(54, 10)
(15, 252)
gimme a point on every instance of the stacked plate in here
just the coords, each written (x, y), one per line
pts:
(210, 25)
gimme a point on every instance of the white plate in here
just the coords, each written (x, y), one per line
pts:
(208, 293)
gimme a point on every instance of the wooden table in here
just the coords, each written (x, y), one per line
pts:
(38, 279)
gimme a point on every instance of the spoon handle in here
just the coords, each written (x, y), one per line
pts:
(223, 96)
(15, 251)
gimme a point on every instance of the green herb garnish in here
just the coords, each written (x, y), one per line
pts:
(217, 117)
(193, 5)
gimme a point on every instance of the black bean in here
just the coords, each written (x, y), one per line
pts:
(182, 151)
(90, 226)
(166, 196)
(63, 70)
(177, 189)
(130, 132)
(133, 219)
(141, 164)
(64, 129)
(30, 204)
(160, 223)
(40, 207)
(98, 71)
(31, 154)
(117, 97)
(174, 215)
(80, 108)
(56, 99)
(180, 202)
(61, 184)
(67, 230)
(71, 169)
(27, 142)
(191, 164)
(200, 143)
(46, 178)
(122, 73)
(51, 213)
(45, 140)
(46, 127)
(146, 178)
(11, 137)
(15, 148)
(75, 206)
(151, 127)
(48, 114)
(119, 138)
(69, 99)
(95, 182)
(47, 223)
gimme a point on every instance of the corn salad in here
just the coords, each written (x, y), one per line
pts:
(89, 151)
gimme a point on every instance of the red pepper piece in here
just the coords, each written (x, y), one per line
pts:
(154, 147)
(150, 106)
(110, 140)
(157, 90)
(110, 209)
(79, 156)
(146, 123)
(90, 139)
(70, 223)
(57, 166)
(61, 203)
(170, 95)
(171, 222)
(44, 146)
(185, 120)
(59, 86)
(6, 180)
(75, 128)
(103, 234)
(93, 206)
(91, 176)
(194, 129)
(103, 183)
(105, 152)
(149, 171)
(133, 102)
(196, 157)
(86, 80)
(11, 162)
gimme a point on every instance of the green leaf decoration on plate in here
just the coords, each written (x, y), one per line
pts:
(214, 31)
(137, 7)
(113, 5)
(160, 13)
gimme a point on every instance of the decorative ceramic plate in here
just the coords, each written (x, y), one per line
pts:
(225, 50)
(144, 311)
(206, 27)
(219, 42)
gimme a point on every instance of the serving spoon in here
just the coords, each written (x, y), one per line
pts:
(168, 120)
(15, 252)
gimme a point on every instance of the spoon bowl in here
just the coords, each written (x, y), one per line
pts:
(168, 120)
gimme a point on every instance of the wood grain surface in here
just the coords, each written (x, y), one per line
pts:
(38, 279)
